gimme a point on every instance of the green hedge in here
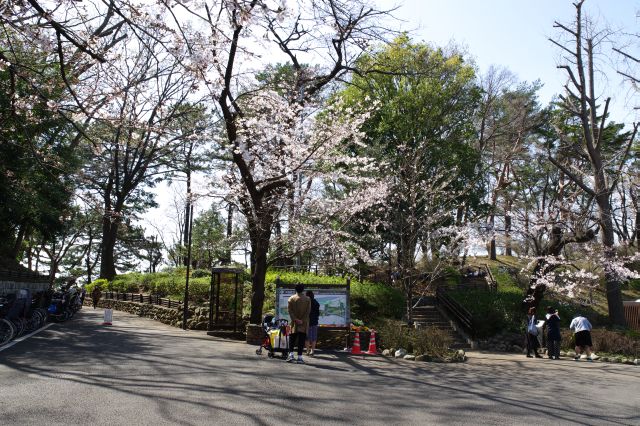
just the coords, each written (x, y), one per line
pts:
(368, 300)
(492, 312)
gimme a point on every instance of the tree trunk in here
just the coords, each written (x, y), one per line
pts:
(17, 247)
(507, 235)
(492, 243)
(637, 228)
(614, 292)
(109, 237)
(88, 260)
(259, 251)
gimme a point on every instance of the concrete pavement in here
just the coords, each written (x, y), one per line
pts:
(141, 372)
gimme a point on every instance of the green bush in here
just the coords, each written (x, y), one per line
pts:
(396, 334)
(368, 300)
(492, 312)
(607, 341)
(101, 283)
(171, 284)
(431, 341)
(200, 273)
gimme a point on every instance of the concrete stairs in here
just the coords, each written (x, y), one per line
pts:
(428, 315)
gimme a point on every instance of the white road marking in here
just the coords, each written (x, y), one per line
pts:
(20, 339)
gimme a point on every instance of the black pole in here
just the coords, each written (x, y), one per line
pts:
(218, 297)
(235, 311)
(185, 302)
(211, 295)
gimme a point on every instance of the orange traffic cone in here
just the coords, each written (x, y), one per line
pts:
(373, 350)
(355, 350)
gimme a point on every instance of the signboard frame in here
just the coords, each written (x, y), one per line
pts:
(318, 290)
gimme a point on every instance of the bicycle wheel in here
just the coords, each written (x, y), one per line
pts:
(7, 331)
(21, 326)
(31, 324)
(42, 315)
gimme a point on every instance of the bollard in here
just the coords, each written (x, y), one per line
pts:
(108, 316)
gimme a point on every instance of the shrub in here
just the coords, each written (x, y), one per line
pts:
(492, 312)
(423, 341)
(381, 300)
(100, 283)
(394, 334)
(431, 341)
(607, 341)
(200, 273)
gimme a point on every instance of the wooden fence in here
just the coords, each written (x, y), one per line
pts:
(142, 298)
(632, 314)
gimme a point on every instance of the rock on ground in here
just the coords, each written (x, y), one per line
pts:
(400, 353)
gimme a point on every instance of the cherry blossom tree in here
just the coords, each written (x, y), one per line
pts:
(271, 139)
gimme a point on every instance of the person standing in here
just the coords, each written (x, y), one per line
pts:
(95, 296)
(314, 319)
(532, 334)
(299, 309)
(582, 333)
(553, 333)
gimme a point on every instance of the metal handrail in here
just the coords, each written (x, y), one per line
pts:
(461, 315)
(493, 285)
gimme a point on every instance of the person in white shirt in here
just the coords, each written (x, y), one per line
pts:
(582, 332)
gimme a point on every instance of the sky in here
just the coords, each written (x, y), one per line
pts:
(508, 33)
(514, 34)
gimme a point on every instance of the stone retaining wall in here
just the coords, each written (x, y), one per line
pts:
(198, 317)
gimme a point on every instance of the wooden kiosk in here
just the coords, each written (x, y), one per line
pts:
(225, 302)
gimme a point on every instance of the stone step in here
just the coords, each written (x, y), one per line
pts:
(429, 316)
(430, 320)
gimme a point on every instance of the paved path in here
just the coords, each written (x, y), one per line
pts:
(141, 372)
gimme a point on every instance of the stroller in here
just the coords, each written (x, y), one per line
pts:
(276, 337)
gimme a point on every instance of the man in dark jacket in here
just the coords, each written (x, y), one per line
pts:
(314, 318)
(553, 333)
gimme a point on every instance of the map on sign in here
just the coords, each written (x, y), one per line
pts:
(334, 308)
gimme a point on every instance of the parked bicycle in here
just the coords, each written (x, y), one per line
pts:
(64, 304)
(20, 313)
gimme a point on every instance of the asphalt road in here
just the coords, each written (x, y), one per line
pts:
(141, 372)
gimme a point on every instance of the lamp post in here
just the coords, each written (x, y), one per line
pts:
(185, 302)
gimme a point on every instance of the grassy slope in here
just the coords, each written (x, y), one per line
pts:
(503, 309)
